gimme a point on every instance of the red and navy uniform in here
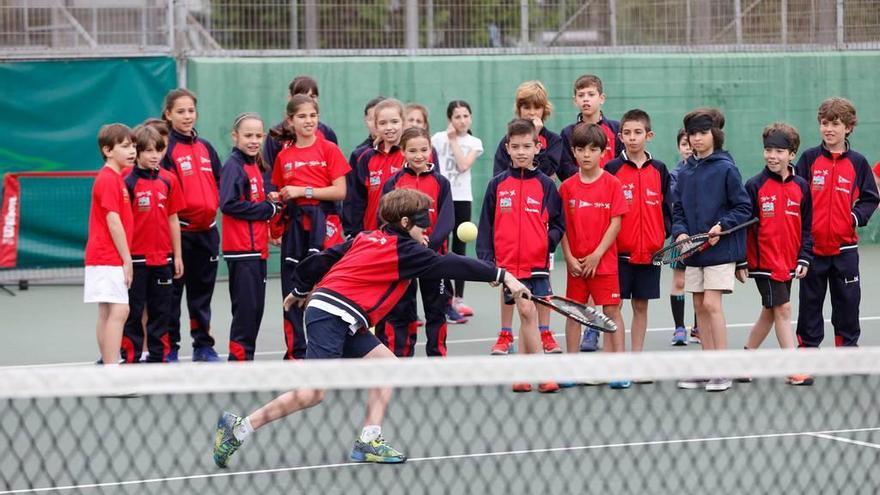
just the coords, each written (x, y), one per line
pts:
(109, 194)
(781, 240)
(364, 187)
(246, 214)
(844, 197)
(568, 166)
(398, 332)
(649, 217)
(521, 222)
(310, 225)
(548, 158)
(197, 167)
(271, 148)
(361, 280)
(155, 196)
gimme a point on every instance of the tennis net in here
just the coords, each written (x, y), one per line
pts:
(150, 428)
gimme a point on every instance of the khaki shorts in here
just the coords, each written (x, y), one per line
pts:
(715, 277)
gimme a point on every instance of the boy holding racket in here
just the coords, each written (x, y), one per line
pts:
(844, 197)
(520, 225)
(780, 246)
(593, 203)
(710, 198)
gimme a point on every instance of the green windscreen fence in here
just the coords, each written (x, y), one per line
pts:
(751, 89)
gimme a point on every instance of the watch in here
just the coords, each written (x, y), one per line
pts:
(310, 191)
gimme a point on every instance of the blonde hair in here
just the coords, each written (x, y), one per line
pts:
(387, 103)
(533, 93)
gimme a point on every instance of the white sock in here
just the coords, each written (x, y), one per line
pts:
(243, 430)
(370, 433)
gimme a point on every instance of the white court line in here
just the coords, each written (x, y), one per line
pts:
(821, 434)
(844, 440)
(418, 344)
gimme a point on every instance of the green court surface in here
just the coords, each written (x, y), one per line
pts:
(760, 437)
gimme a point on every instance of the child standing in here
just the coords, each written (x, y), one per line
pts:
(589, 96)
(643, 228)
(373, 168)
(710, 198)
(155, 247)
(457, 151)
(344, 294)
(844, 197)
(197, 168)
(246, 212)
(309, 174)
(676, 292)
(779, 247)
(108, 271)
(398, 331)
(593, 203)
(520, 225)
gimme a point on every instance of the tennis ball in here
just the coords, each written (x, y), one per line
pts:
(467, 232)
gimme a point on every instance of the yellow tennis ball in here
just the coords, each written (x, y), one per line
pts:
(467, 232)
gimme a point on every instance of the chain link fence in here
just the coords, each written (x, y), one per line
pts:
(48, 28)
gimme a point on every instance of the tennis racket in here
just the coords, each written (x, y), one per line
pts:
(694, 244)
(581, 313)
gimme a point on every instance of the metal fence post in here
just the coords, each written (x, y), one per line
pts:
(524, 22)
(612, 21)
(294, 25)
(783, 21)
(429, 21)
(412, 25)
(840, 28)
(737, 19)
(311, 24)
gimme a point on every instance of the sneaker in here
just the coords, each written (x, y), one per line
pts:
(643, 381)
(620, 384)
(567, 384)
(594, 383)
(743, 379)
(522, 387)
(549, 343)
(718, 385)
(801, 380)
(692, 383)
(172, 356)
(461, 307)
(695, 335)
(548, 388)
(375, 451)
(205, 354)
(679, 336)
(504, 344)
(144, 356)
(225, 443)
(454, 317)
(590, 340)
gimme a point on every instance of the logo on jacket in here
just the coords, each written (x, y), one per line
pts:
(649, 192)
(143, 201)
(791, 203)
(255, 190)
(819, 179)
(532, 201)
(185, 164)
(843, 180)
(628, 191)
(375, 178)
(505, 203)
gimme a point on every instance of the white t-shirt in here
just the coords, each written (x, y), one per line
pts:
(460, 182)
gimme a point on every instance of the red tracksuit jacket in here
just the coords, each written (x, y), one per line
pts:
(364, 188)
(521, 222)
(197, 167)
(245, 209)
(781, 240)
(432, 183)
(844, 197)
(155, 196)
(366, 276)
(644, 227)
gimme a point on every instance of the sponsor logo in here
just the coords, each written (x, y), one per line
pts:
(204, 160)
(375, 178)
(768, 208)
(843, 180)
(842, 189)
(507, 193)
(255, 190)
(288, 166)
(628, 194)
(377, 240)
(532, 210)
(532, 201)
(791, 203)
(818, 182)
(649, 192)
(310, 163)
(9, 220)
(143, 202)
(572, 204)
(505, 203)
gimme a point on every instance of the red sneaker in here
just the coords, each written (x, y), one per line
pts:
(799, 380)
(522, 387)
(548, 388)
(549, 343)
(503, 345)
(462, 308)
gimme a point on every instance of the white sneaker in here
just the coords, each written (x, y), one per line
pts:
(692, 383)
(718, 385)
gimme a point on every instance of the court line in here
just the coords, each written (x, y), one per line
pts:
(844, 440)
(821, 434)
(418, 344)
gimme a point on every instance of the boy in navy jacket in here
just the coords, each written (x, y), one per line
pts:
(710, 198)
(347, 289)
(844, 197)
(520, 225)
(589, 96)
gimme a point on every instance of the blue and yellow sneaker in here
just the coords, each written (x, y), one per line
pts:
(375, 451)
(225, 443)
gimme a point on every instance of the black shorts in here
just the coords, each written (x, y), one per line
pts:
(329, 337)
(538, 286)
(638, 281)
(773, 293)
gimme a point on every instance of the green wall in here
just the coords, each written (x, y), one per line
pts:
(751, 89)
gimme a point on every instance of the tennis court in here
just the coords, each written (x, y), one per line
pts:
(652, 438)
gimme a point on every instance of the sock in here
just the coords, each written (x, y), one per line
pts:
(370, 433)
(544, 328)
(695, 319)
(507, 329)
(243, 430)
(677, 303)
